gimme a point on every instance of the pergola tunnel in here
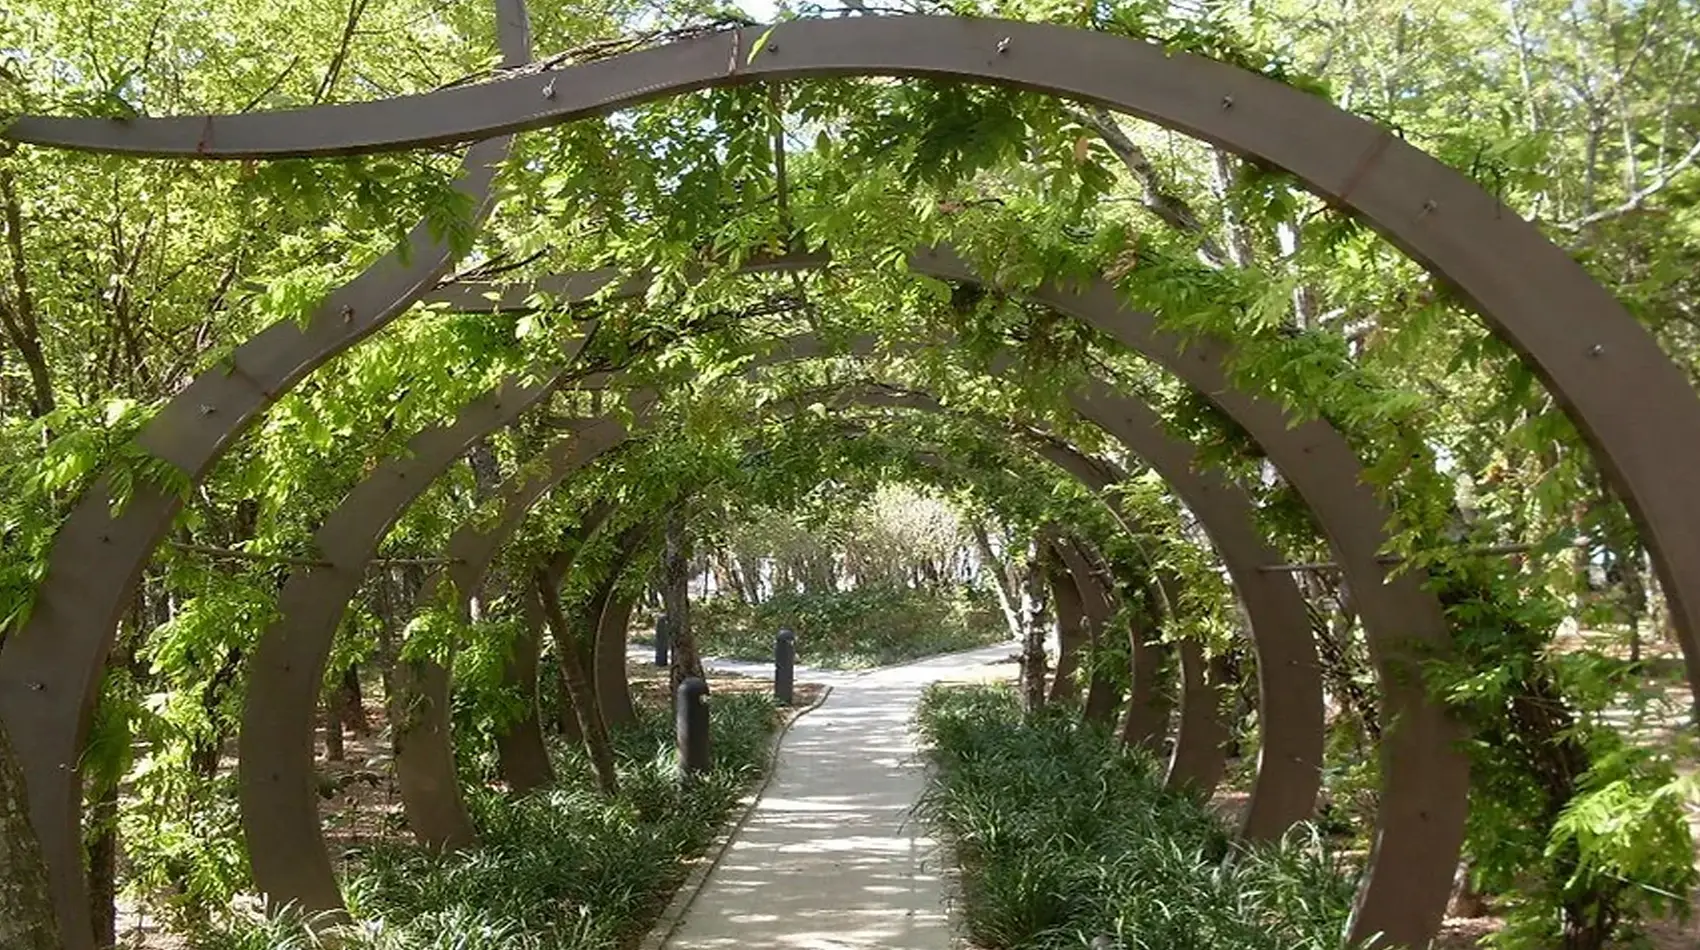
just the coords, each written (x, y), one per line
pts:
(1234, 587)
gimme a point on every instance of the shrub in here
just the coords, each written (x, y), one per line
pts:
(562, 869)
(853, 629)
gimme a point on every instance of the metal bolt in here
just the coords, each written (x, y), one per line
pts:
(37, 685)
(549, 89)
(1596, 349)
(1003, 45)
(1227, 102)
(347, 313)
(207, 410)
(1428, 207)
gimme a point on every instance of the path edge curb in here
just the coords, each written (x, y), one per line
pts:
(668, 923)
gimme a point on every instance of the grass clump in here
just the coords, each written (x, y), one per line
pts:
(1064, 836)
(853, 629)
(562, 869)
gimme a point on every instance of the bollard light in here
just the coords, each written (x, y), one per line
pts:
(690, 707)
(784, 666)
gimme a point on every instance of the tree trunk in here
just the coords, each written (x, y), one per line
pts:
(578, 687)
(27, 921)
(103, 868)
(1033, 634)
(354, 702)
(675, 596)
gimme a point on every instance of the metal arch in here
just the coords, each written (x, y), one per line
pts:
(1420, 825)
(1286, 787)
(1194, 762)
(50, 670)
(1096, 606)
(1289, 770)
(1071, 627)
(279, 812)
(1146, 720)
(1631, 402)
(521, 754)
(1201, 755)
(287, 663)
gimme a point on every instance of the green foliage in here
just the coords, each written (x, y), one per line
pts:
(562, 869)
(1065, 835)
(854, 629)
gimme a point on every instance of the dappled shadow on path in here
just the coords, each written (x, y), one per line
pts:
(833, 858)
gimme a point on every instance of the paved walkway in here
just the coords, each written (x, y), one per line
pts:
(831, 859)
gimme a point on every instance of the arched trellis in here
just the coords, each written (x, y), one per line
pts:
(1630, 401)
(298, 868)
(50, 669)
(1627, 398)
(1425, 777)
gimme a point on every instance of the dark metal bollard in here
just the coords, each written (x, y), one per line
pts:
(662, 625)
(690, 709)
(784, 666)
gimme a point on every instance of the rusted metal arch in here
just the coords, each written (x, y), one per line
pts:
(1289, 769)
(1425, 778)
(279, 810)
(1288, 777)
(286, 666)
(50, 670)
(1631, 402)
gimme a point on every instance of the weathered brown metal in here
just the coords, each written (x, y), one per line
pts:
(521, 753)
(50, 670)
(279, 810)
(1425, 777)
(1097, 604)
(1631, 402)
(424, 762)
(1071, 626)
(613, 689)
(1289, 773)
(1201, 754)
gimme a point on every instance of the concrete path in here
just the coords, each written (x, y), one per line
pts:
(832, 859)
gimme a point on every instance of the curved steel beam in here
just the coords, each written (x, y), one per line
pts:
(1420, 826)
(1097, 605)
(279, 809)
(1289, 768)
(50, 670)
(1425, 777)
(1631, 402)
(286, 666)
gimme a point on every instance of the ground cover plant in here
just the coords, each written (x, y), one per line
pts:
(853, 629)
(562, 869)
(1064, 836)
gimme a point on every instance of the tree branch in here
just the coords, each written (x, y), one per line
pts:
(1639, 198)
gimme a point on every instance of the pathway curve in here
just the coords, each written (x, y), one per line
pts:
(831, 858)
